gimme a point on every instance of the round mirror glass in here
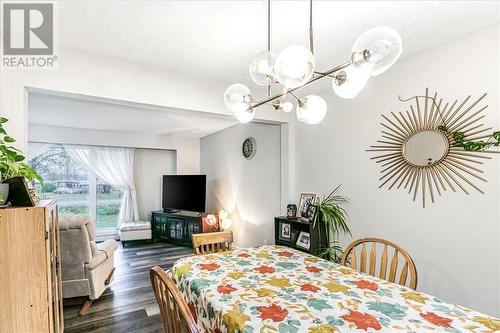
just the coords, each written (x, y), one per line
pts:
(425, 148)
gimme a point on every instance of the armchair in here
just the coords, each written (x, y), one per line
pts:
(87, 268)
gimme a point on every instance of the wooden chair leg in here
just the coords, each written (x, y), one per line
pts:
(85, 307)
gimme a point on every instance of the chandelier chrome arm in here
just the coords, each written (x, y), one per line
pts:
(314, 79)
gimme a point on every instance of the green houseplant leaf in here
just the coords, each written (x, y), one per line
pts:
(331, 215)
(11, 162)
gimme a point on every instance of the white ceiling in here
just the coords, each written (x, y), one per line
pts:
(75, 112)
(218, 39)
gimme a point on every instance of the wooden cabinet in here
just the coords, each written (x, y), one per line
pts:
(177, 228)
(317, 234)
(30, 270)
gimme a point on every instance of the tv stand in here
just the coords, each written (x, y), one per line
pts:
(177, 227)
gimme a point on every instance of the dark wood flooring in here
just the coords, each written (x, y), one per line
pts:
(128, 305)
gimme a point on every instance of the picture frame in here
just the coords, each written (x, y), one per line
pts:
(291, 211)
(19, 193)
(304, 240)
(305, 200)
(311, 211)
(285, 231)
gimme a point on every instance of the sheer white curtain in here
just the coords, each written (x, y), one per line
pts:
(114, 165)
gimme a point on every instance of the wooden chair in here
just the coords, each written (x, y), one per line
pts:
(212, 242)
(172, 306)
(360, 245)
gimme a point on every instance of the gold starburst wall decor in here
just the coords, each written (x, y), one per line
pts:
(435, 146)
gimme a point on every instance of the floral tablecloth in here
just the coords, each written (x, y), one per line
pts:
(277, 289)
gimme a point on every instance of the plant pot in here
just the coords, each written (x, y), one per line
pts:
(4, 193)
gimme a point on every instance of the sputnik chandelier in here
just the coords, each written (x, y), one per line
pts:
(374, 52)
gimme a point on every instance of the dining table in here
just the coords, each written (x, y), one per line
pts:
(278, 289)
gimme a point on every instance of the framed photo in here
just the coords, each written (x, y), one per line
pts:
(19, 194)
(306, 199)
(291, 211)
(311, 211)
(285, 231)
(304, 240)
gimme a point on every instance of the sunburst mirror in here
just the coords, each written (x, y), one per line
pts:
(430, 147)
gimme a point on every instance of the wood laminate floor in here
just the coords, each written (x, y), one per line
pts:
(128, 305)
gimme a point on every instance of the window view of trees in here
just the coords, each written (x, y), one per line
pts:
(76, 189)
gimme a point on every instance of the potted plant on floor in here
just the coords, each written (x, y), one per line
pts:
(11, 163)
(331, 215)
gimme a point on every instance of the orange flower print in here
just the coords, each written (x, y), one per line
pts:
(244, 255)
(209, 267)
(265, 269)
(309, 287)
(273, 312)
(363, 284)
(192, 308)
(227, 289)
(313, 269)
(435, 319)
(362, 320)
(285, 254)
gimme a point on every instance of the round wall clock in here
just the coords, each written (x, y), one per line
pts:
(249, 148)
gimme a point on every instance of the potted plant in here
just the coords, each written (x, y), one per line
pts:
(11, 163)
(330, 214)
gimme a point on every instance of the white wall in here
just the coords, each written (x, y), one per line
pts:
(454, 242)
(248, 189)
(149, 167)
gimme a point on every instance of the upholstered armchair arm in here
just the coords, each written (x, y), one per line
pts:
(109, 246)
(104, 251)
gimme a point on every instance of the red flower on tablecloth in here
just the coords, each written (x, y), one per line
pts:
(273, 312)
(313, 269)
(209, 267)
(363, 284)
(362, 320)
(285, 254)
(309, 287)
(226, 289)
(192, 308)
(244, 255)
(265, 269)
(435, 319)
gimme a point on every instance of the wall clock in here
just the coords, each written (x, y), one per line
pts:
(249, 148)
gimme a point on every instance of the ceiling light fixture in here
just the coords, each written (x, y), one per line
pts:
(373, 53)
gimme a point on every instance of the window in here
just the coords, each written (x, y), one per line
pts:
(108, 205)
(76, 189)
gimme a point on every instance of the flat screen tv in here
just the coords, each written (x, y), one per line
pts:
(184, 192)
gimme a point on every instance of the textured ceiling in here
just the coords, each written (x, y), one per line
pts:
(218, 39)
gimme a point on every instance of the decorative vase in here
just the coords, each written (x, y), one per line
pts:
(4, 193)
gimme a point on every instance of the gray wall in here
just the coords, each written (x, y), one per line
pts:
(248, 189)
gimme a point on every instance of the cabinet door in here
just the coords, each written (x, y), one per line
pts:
(176, 228)
(24, 276)
(160, 226)
(192, 227)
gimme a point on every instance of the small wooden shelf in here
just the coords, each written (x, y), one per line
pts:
(317, 234)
